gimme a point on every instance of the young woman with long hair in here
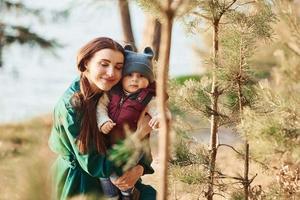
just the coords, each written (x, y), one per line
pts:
(82, 150)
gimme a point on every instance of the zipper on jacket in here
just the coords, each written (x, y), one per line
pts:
(116, 115)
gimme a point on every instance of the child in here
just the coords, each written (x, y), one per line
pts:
(126, 103)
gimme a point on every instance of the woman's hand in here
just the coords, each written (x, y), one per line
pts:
(143, 127)
(129, 178)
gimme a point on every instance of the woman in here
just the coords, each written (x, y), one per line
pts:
(81, 149)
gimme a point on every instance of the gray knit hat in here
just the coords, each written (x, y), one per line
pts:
(139, 62)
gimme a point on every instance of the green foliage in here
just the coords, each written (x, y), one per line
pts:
(181, 79)
(237, 195)
(231, 101)
(191, 174)
(127, 153)
(152, 7)
(261, 74)
(189, 160)
(191, 97)
(185, 155)
(274, 126)
(156, 8)
(182, 152)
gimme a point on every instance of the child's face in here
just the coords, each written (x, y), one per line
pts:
(134, 81)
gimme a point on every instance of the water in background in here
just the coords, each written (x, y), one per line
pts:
(32, 80)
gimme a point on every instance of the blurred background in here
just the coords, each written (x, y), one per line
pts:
(257, 96)
(33, 75)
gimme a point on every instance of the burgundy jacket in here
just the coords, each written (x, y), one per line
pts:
(124, 109)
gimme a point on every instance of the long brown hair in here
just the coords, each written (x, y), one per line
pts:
(86, 100)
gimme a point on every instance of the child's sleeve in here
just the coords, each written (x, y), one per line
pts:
(101, 111)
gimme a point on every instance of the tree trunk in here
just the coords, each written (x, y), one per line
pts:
(1, 61)
(246, 172)
(1, 44)
(162, 79)
(214, 118)
(152, 34)
(126, 22)
(240, 95)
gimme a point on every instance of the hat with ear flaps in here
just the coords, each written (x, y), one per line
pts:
(139, 62)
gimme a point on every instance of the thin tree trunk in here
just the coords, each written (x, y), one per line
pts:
(126, 22)
(246, 172)
(162, 77)
(214, 119)
(240, 95)
(1, 44)
(1, 61)
(152, 34)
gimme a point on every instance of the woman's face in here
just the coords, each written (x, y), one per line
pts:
(104, 69)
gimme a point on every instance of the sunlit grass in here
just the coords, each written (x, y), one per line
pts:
(25, 159)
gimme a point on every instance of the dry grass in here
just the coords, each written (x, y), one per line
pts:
(25, 159)
(186, 182)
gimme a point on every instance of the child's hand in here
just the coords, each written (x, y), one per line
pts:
(154, 122)
(107, 126)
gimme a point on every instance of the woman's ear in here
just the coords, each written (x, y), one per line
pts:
(128, 47)
(149, 52)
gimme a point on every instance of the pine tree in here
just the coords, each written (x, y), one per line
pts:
(165, 11)
(15, 33)
(234, 41)
(274, 125)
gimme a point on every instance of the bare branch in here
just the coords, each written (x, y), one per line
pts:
(201, 15)
(293, 48)
(250, 181)
(242, 4)
(219, 195)
(203, 111)
(226, 8)
(227, 145)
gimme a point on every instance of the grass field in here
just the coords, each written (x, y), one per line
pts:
(25, 161)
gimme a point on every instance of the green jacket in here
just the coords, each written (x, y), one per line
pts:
(76, 173)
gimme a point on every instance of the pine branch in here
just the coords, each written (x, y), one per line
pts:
(23, 35)
(211, 111)
(197, 108)
(226, 8)
(225, 176)
(153, 3)
(293, 48)
(242, 4)
(241, 154)
(201, 15)
(17, 6)
(252, 179)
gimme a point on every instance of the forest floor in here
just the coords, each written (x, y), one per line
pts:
(25, 161)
